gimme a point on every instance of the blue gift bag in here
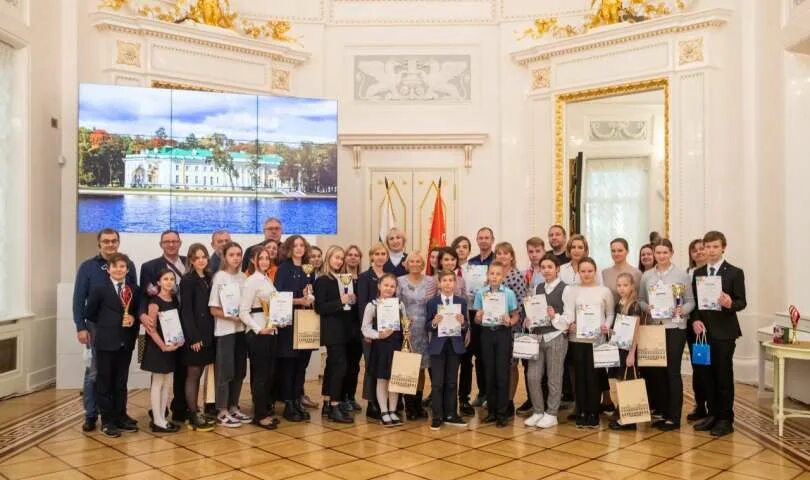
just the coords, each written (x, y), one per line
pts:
(701, 351)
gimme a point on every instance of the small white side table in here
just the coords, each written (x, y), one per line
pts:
(782, 352)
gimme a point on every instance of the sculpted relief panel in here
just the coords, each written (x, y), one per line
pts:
(412, 78)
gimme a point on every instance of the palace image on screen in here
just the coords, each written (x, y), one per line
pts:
(153, 159)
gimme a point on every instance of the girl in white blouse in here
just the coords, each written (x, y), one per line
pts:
(593, 303)
(261, 335)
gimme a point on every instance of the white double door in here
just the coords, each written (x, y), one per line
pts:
(413, 196)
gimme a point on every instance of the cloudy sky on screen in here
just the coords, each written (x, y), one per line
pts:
(141, 111)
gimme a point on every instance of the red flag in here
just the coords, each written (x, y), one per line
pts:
(438, 228)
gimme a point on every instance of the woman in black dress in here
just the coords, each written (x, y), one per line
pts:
(159, 354)
(198, 327)
(292, 364)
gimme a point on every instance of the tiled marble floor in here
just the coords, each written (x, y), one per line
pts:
(320, 451)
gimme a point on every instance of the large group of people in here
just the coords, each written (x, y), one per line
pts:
(440, 301)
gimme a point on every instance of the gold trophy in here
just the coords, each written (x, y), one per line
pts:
(406, 333)
(345, 280)
(677, 292)
(265, 303)
(308, 268)
(126, 299)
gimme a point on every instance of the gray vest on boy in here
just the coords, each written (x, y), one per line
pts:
(553, 299)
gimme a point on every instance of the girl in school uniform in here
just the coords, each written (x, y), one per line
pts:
(553, 345)
(664, 276)
(590, 299)
(159, 356)
(261, 338)
(515, 281)
(293, 363)
(368, 290)
(198, 328)
(354, 340)
(231, 351)
(384, 342)
(414, 290)
(333, 305)
(627, 305)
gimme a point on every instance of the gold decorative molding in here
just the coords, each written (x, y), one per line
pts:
(182, 86)
(128, 53)
(690, 51)
(281, 80)
(541, 78)
(600, 92)
(602, 38)
(466, 142)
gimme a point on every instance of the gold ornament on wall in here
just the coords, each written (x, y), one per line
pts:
(128, 53)
(603, 13)
(541, 78)
(213, 13)
(690, 51)
(281, 80)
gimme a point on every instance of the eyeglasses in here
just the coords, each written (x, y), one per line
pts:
(171, 242)
(109, 242)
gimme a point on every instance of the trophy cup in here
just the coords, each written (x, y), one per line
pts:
(677, 292)
(795, 316)
(345, 280)
(265, 303)
(126, 300)
(308, 268)
(406, 333)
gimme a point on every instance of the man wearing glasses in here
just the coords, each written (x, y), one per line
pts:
(170, 243)
(92, 272)
(273, 230)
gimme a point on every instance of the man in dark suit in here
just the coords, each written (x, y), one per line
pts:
(218, 240)
(170, 243)
(273, 229)
(445, 354)
(109, 308)
(722, 329)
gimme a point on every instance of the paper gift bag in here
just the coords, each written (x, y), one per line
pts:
(701, 351)
(526, 347)
(652, 346)
(632, 400)
(306, 330)
(606, 356)
(405, 372)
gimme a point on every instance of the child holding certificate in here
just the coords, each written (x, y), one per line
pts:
(665, 296)
(231, 352)
(497, 312)
(593, 317)
(629, 315)
(445, 318)
(551, 328)
(722, 329)
(382, 324)
(261, 335)
(159, 354)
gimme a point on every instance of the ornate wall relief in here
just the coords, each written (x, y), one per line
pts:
(541, 78)
(128, 53)
(690, 51)
(412, 78)
(617, 131)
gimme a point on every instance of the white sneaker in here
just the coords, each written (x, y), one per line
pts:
(534, 420)
(547, 421)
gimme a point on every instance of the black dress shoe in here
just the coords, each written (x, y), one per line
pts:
(126, 427)
(129, 420)
(291, 413)
(667, 425)
(372, 411)
(466, 409)
(615, 425)
(705, 425)
(110, 430)
(339, 416)
(697, 414)
(722, 428)
(89, 425)
(491, 418)
(301, 410)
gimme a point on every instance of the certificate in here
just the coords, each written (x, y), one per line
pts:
(170, 327)
(475, 277)
(281, 309)
(589, 321)
(494, 308)
(536, 309)
(449, 326)
(624, 329)
(708, 292)
(388, 314)
(662, 302)
(229, 299)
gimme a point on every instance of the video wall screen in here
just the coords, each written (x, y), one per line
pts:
(152, 159)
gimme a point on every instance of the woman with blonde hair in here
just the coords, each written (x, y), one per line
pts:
(395, 243)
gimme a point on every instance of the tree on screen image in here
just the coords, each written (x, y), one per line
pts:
(311, 168)
(101, 158)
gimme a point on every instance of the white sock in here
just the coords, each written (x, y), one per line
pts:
(156, 399)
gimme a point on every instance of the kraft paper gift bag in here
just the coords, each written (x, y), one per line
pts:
(405, 372)
(306, 330)
(210, 384)
(652, 346)
(633, 404)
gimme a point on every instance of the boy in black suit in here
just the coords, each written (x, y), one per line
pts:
(445, 353)
(110, 307)
(722, 329)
